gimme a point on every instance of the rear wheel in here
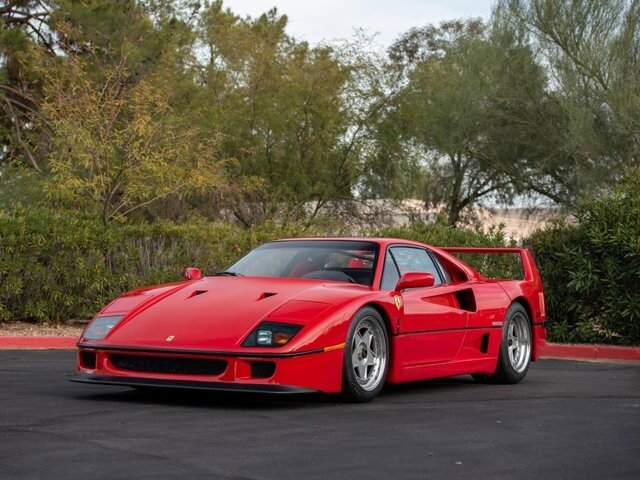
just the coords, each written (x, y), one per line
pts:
(515, 350)
(366, 357)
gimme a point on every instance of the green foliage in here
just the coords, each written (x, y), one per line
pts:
(591, 270)
(291, 115)
(56, 266)
(449, 118)
(440, 234)
(120, 145)
(141, 106)
(583, 133)
(134, 106)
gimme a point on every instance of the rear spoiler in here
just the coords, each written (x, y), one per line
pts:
(529, 268)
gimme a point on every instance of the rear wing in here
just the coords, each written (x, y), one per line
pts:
(527, 262)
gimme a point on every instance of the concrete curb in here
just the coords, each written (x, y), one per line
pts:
(590, 352)
(550, 350)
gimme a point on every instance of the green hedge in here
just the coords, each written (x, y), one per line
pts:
(442, 235)
(591, 270)
(56, 266)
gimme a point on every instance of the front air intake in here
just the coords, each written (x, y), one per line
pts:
(263, 369)
(87, 360)
(168, 365)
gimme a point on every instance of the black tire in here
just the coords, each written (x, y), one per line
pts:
(363, 382)
(515, 349)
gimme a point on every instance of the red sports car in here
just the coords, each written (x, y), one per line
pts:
(333, 315)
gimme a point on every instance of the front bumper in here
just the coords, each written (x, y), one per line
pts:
(286, 373)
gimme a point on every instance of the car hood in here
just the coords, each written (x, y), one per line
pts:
(217, 313)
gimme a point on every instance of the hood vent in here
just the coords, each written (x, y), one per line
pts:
(266, 295)
(196, 293)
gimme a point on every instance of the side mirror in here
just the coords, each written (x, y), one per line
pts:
(191, 273)
(415, 280)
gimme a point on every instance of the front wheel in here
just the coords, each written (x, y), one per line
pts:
(366, 357)
(515, 350)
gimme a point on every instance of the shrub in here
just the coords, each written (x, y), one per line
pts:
(56, 266)
(591, 270)
(441, 235)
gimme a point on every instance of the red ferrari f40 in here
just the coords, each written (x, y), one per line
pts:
(332, 315)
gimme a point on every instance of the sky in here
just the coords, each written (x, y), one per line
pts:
(317, 20)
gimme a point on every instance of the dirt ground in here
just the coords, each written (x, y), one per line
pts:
(23, 329)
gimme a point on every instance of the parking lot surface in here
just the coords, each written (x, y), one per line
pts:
(567, 420)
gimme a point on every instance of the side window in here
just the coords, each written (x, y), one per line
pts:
(446, 277)
(390, 274)
(414, 259)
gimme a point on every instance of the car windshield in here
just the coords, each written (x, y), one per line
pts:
(339, 260)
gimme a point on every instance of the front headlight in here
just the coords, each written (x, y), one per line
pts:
(100, 326)
(271, 334)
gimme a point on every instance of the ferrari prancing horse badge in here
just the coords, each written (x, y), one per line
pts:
(398, 300)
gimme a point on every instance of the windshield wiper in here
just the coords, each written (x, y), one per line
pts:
(227, 274)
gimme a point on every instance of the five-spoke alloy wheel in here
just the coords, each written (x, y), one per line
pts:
(515, 348)
(366, 357)
(519, 342)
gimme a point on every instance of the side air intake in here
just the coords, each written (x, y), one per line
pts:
(467, 300)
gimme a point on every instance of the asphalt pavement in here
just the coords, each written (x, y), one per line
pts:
(566, 420)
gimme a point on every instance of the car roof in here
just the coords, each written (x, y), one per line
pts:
(379, 240)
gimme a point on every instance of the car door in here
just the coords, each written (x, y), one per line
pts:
(432, 323)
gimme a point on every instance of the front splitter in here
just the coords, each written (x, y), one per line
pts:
(190, 384)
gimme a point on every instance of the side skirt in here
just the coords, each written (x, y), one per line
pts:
(441, 370)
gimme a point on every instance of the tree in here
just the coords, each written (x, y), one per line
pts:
(37, 33)
(585, 133)
(294, 117)
(292, 122)
(447, 116)
(119, 145)
(25, 29)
